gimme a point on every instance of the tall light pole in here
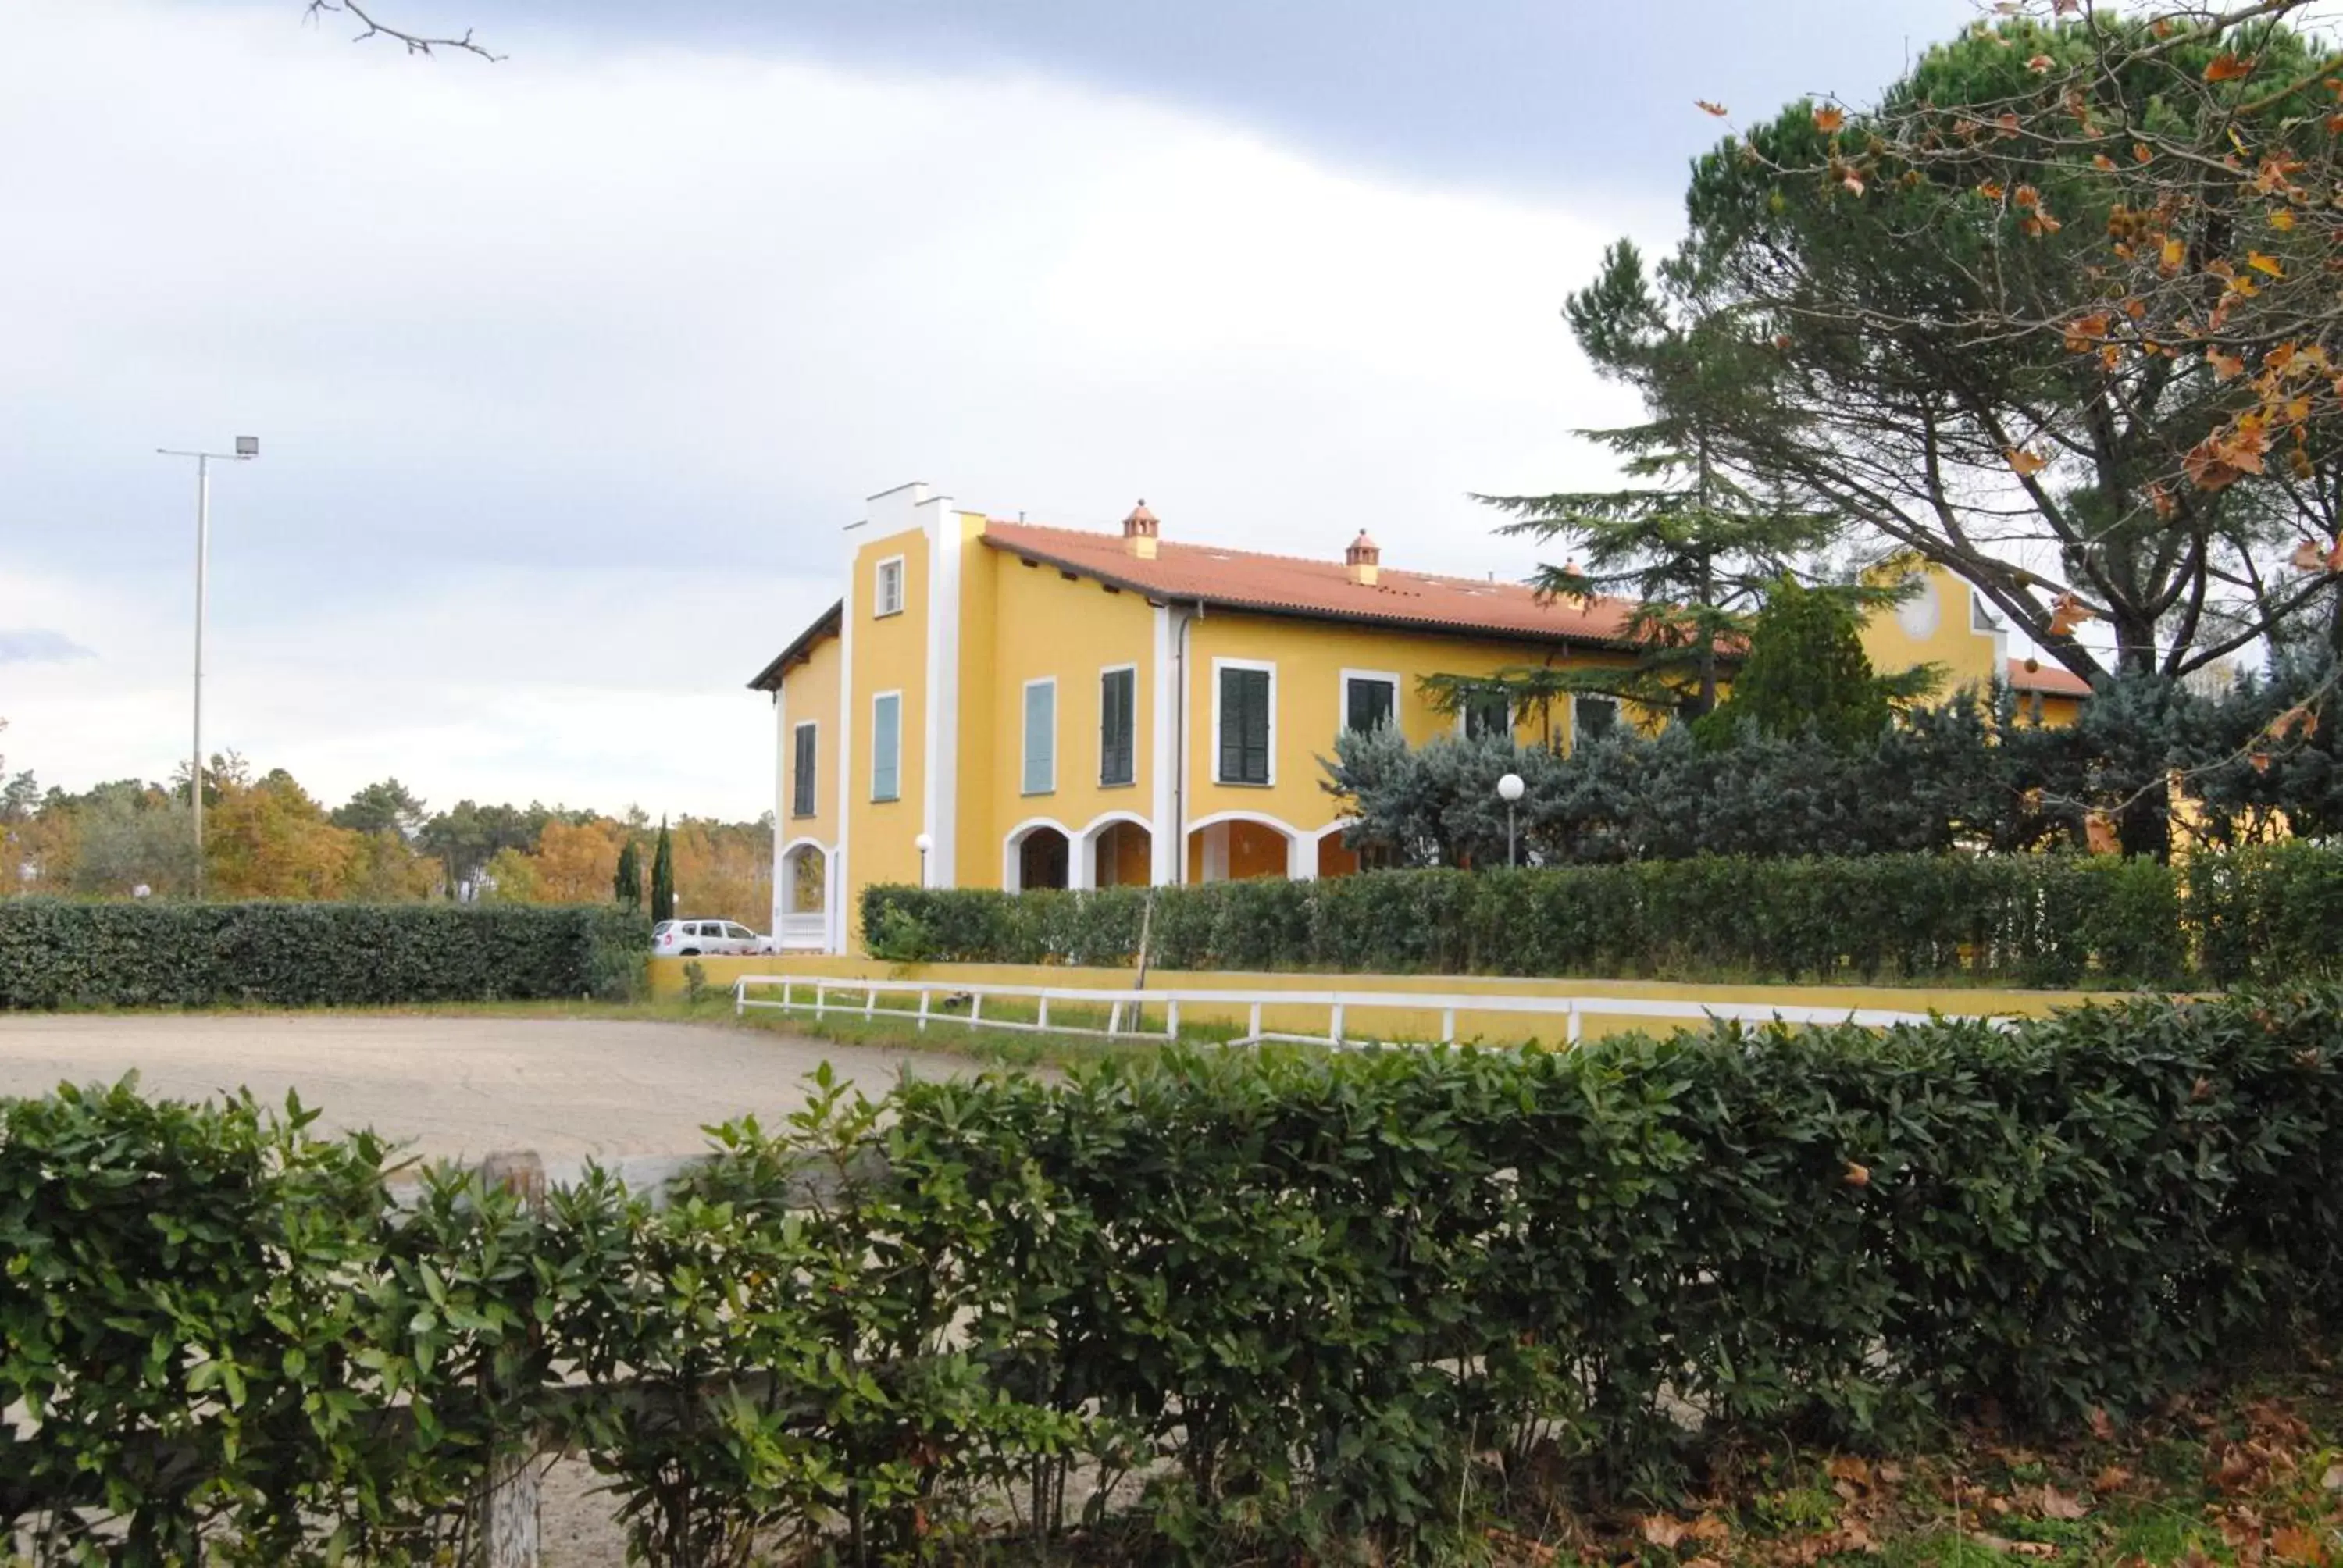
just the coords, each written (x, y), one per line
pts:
(923, 843)
(1508, 790)
(246, 448)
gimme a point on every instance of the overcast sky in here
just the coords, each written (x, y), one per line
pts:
(568, 368)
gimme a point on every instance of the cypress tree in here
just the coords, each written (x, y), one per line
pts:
(627, 884)
(663, 877)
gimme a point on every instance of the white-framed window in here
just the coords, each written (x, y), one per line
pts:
(1591, 717)
(886, 746)
(887, 588)
(1244, 721)
(1370, 700)
(806, 748)
(1040, 774)
(1118, 725)
(1485, 712)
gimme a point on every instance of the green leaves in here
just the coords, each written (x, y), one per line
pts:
(1313, 1300)
(57, 954)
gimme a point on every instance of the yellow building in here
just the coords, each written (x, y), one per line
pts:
(1004, 705)
(1948, 623)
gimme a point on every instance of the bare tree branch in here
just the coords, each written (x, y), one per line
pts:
(415, 43)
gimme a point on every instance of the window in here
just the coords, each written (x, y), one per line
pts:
(1244, 722)
(1369, 702)
(1040, 737)
(886, 746)
(801, 770)
(1486, 713)
(1591, 717)
(887, 599)
(1117, 726)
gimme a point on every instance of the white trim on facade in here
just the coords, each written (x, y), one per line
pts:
(1083, 869)
(1170, 854)
(1025, 736)
(844, 751)
(1270, 666)
(1098, 730)
(1343, 694)
(879, 609)
(940, 776)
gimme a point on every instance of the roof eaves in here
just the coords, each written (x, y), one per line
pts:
(829, 623)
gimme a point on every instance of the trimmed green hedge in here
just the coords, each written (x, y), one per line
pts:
(59, 954)
(2263, 914)
(1329, 1305)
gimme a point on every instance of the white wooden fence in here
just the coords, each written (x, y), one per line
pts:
(820, 996)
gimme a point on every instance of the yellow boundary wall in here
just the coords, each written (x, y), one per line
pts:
(1399, 1020)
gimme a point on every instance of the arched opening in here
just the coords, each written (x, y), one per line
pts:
(1336, 859)
(1122, 855)
(1040, 856)
(804, 898)
(1234, 849)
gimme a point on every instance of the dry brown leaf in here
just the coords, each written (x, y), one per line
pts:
(1709, 1527)
(2263, 263)
(2067, 613)
(1664, 1531)
(2040, 63)
(2114, 1478)
(2333, 1479)
(2103, 1426)
(2281, 220)
(1857, 1175)
(2229, 67)
(2295, 1545)
(2056, 1504)
(1719, 110)
(1828, 118)
(2026, 463)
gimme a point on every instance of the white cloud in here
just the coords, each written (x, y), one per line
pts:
(567, 370)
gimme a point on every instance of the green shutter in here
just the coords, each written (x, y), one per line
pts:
(1117, 724)
(801, 796)
(1244, 726)
(887, 748)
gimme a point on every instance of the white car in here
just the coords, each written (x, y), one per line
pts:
(711, 938)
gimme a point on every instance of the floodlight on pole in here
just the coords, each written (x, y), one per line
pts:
(246, 448)
(1508, 790)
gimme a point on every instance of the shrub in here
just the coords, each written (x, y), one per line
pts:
(1308, 1292)
(2263, 915)
(55, 953)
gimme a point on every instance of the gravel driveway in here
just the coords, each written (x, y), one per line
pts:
(459, 1087)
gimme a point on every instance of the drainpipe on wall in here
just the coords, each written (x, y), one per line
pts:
(1180, 742)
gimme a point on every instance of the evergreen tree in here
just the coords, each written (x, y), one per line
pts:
(663, 877)
(628, 882)
(1807, 673)
(1691, 543)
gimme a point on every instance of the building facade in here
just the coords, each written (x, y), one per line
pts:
(999, 704)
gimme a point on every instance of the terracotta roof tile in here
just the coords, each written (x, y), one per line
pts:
(1325, 589)
(2046, 678)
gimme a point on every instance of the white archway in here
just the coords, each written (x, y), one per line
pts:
(1086, 843)
(1300, 847)
(805, 901)
(1012, 850)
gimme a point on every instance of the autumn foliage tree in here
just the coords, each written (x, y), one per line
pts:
(2058, 312)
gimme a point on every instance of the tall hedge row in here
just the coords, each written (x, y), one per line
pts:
(1309, 1305)
(2262, 914)
(56, 954)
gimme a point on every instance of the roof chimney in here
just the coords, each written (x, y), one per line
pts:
(1138, 532)
(1364, 560)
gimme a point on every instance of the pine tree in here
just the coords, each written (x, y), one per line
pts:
(1692, 543)
(627, 884)
(663, 877)
(1807, 673)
